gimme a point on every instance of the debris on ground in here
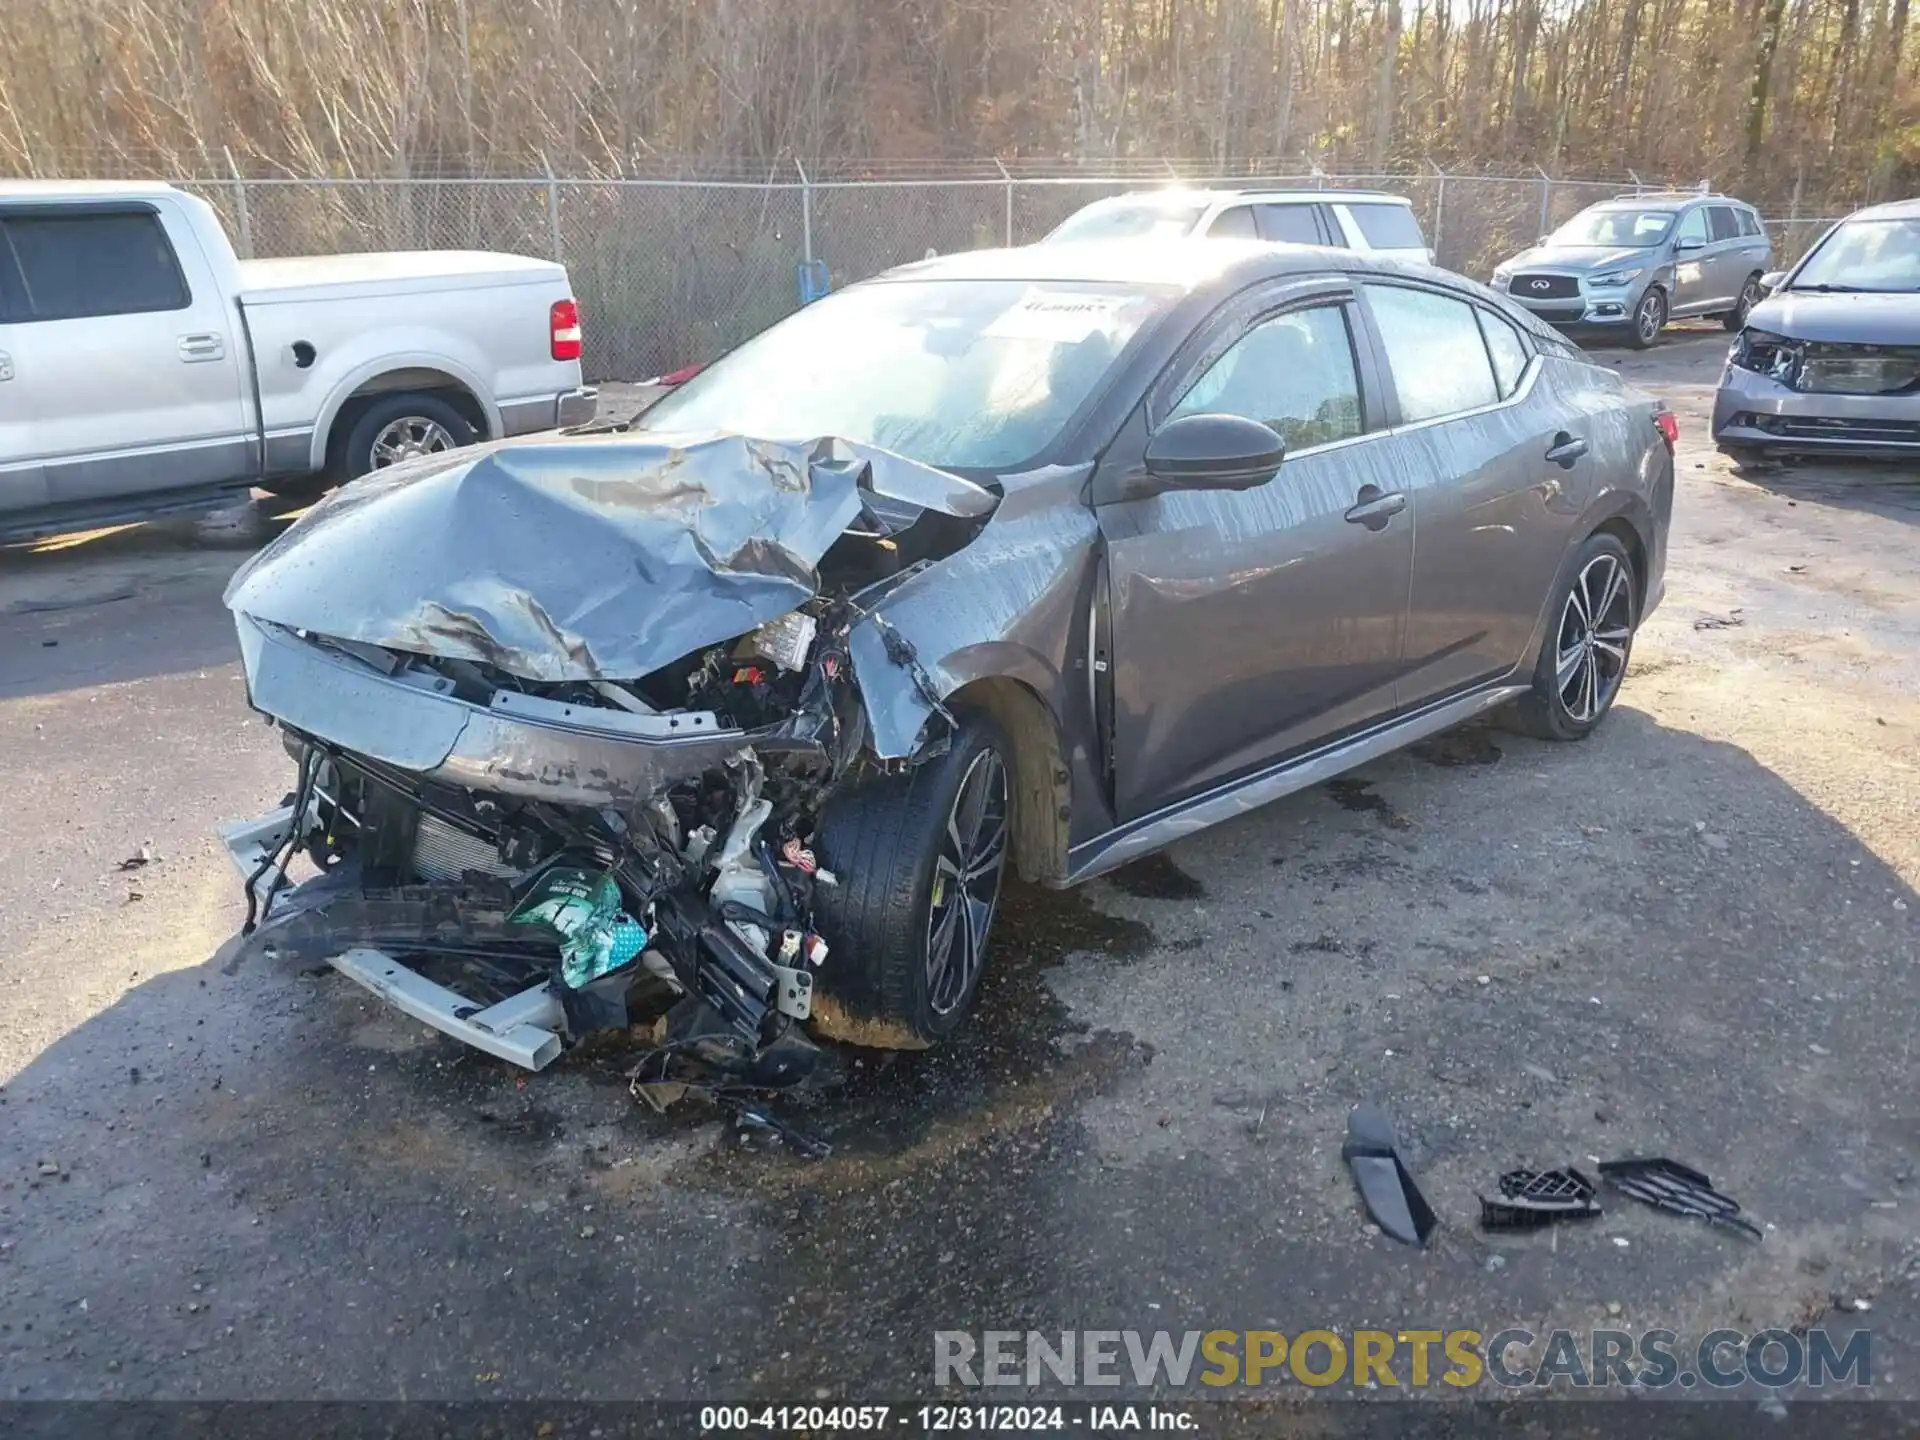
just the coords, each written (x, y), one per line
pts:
(1732, 620)
(143, 857)
(1531, 1198)
(1679, 1189)
(1372, 1152)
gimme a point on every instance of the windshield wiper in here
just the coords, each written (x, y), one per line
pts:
(1841, 289)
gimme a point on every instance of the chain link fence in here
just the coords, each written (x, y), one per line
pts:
(670, 272)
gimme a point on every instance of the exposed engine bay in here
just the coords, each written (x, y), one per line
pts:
(512, 832)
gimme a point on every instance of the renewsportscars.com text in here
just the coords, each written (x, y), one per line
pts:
(1461, 1359)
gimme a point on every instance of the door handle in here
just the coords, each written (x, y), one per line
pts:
(195, 348)
(6, 366)
(1375, 507)
(1566, 449)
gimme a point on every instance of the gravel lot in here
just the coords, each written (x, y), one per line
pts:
(1694, 935)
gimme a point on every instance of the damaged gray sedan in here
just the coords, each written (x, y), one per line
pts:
(1080, 550)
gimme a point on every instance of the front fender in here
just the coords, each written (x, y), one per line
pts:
(1005, 606)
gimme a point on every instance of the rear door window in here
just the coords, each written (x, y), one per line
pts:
(1387, 227)
(1234, 224)
(1291, 224)
(75, 266)
(1721, 223)
(1505, 347)
(1434, 348)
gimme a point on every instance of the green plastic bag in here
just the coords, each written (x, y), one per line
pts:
(596, 936)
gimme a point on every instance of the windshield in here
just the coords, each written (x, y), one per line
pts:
(1875, 256)
(961, 374)
(1627, 229)
(1131, 220)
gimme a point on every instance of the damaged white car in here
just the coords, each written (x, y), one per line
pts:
(1112, 543)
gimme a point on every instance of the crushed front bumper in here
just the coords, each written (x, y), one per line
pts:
(574, 761)
(1757, 413)
(526, 1029)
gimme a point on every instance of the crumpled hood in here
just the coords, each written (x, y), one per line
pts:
(1845, 319)
(590, 557)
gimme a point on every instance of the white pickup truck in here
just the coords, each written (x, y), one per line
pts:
(145, 369)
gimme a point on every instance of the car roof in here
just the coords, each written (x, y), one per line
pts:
(1175, 195)
(1195, 264)
(1891, 210)
(83, 189)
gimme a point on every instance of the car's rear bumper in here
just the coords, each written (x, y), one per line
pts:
(545, 412)
(1755, 412)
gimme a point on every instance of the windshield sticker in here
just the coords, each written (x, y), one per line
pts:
(1058, 318)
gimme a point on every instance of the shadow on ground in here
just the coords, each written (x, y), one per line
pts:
(264, 1185)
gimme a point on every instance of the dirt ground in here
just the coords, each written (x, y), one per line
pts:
(1693, 936)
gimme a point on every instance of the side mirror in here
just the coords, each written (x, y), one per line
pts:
(1770, 281)
(1213, 452)
(1689, 242)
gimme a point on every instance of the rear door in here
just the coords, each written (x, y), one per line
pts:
(23, 484)
(1495, 461)
(1250, 625)
(1728, 248)
(127, 355)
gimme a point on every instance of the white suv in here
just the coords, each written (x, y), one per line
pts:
(1369, 221)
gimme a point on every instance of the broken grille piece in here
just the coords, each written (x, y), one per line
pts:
(1680, 1189)
(1529, 1198)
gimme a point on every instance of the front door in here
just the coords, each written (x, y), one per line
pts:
(1693, 278)
(22, 484)
(1249, 625)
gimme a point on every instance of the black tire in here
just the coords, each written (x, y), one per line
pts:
(1735, 319)
(1745, 457)
(1560, 706)
(1649, 319)
(889, 842)
(353, 455)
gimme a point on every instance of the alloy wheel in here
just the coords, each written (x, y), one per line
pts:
(966, 883)
(1749, 297)
(408, 437)
(1649, 319)
(1596, 631)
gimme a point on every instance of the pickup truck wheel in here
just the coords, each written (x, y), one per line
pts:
(397, 428)
(919, 858)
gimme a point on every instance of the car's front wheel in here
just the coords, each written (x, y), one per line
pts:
(1589, 641)
(1649, 318)
(919, 858)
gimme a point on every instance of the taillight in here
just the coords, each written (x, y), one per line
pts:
(564, 323)
(1668, 424)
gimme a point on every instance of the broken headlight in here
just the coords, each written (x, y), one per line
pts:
(1765, 353)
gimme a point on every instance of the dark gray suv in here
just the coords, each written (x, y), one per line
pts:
(1629, 265)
